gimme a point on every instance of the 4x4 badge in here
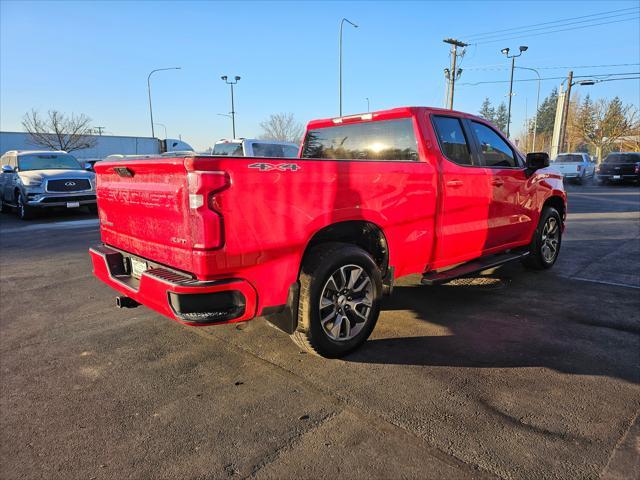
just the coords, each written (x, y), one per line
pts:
(282, 167)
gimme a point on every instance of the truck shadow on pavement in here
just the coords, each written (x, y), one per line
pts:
(505, 323)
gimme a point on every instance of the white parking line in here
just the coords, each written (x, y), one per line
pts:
(604, 282)
(62, 225)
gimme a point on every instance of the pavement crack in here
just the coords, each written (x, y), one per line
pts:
(289, 445)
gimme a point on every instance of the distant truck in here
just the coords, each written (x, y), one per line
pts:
(576, 167)
(313, 243)
(249, 147)
(619, 167)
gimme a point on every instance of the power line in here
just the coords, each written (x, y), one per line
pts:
(555, 31)
(497, 67)
(493, 32)
(553, 78)
(589, 21)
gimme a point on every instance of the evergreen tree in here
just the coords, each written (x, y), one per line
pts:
(487, 111)
(501, 117)
(547, 113)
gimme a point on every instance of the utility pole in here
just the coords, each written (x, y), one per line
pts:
(99, 129)
(453, 74)
(565, 113)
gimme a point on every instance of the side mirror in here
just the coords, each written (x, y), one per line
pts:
(88, 166)
(7, 169)
(537, 160)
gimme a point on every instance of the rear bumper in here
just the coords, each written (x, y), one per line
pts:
(618, 177)
(174, 294)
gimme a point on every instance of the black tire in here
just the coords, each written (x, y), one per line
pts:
(319, 265)
(579, 180)
(538, 258)
(25, 212)
(93, 208)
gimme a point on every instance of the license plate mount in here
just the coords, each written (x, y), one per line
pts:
(73, 204)
(617, 177)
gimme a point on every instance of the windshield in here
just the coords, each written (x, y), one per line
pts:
(228, 149)
(48, 161)
(382, 140)
(568, 159)
(622, 158)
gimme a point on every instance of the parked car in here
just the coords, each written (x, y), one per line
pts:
(575, 166)
(313, 243)
(619, 167)
(37, 179)
(248, 147)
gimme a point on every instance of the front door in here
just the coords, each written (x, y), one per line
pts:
(511, 206)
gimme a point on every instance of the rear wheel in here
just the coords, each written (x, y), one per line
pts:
(340, 290)
(25, 212)
(545, 246)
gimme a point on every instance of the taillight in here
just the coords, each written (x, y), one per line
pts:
(207, 226)
(579, 167)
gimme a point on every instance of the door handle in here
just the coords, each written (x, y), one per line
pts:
(497, 182)
(454, 183)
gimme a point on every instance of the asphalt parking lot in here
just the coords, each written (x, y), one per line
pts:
(518, 374)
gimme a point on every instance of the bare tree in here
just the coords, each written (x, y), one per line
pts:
(603, 123)
(283, 127)
(57, 131)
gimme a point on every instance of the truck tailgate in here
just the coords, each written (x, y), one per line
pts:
(157, 209)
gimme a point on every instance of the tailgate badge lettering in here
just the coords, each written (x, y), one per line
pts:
(281, 167)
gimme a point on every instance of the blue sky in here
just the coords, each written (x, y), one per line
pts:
(94, 57)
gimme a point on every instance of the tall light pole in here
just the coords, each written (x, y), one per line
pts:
(368, 105)
(153, 133)
(535, 121)
(340, 58)
(522, 49)
(225, 79)
(163, 126)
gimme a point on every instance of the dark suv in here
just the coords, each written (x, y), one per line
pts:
(36, 179)
(619, 167)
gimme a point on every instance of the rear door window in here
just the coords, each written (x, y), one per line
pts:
(494, 150)
(453, 142)
(228, 149)
(382, 140)
(267, 150)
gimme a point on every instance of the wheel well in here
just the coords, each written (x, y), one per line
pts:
(557, 203)
(366, 235)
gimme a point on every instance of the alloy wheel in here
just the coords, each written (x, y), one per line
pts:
(345, 303)
(550, 240)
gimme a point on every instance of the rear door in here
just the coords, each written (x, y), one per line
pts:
(511, 206)
(466, 195)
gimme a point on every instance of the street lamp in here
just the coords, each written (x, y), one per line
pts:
(340, 58)
(225, 79)
(163, 126)
(505, 51)
(535, 121)
(153, 134)
(368, 107)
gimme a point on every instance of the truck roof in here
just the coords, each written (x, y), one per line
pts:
(390, 114)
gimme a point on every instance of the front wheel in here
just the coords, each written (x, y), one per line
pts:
(340, 291)
(545, 245)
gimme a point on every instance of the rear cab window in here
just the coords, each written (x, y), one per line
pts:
(387, 140)
(228, 149)
(571, 158)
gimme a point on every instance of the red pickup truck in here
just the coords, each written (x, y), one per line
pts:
(313, 243)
